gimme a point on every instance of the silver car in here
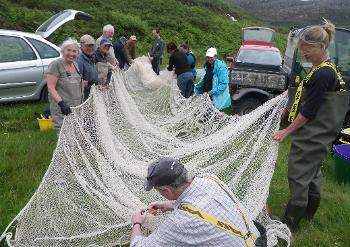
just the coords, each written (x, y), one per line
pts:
(24, 58)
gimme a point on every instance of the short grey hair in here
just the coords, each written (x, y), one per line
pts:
(108, 28)
(181, 180)
(68, 42)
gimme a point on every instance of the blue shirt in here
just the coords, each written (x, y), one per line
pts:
(87, 67)
(120, 54)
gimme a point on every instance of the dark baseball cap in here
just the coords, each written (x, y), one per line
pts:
(163, 171)
(105, 41)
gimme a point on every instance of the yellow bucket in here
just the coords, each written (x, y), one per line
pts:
(45, 124)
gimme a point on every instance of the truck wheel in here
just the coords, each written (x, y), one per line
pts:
(44, 97)
(246, 105)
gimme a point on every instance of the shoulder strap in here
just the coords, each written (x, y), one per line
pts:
(293, 111)
(248, 238)
(202, 215)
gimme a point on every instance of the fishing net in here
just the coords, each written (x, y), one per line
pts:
(95, 179)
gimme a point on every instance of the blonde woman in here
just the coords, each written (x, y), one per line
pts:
(321, 111)
(64, 83)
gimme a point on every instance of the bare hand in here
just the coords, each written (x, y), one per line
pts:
(139, 216)
(162, 206)
(280, 135)
(151, 59)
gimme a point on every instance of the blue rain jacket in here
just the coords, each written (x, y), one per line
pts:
(220, 91)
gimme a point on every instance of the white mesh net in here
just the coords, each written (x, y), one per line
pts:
(95, 179)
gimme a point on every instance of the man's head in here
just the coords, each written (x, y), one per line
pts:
(105, 45)
(168, 176)
(132, 38)
(156, 33)
(123, 40)
(108, 31)
(171, 47)
(87, 44)
(211, 55)
(185, 48)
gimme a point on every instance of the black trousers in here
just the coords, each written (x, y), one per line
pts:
(156, 65)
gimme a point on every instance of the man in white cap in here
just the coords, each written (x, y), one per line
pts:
(214, 81)
(203, 211)
(108, 33)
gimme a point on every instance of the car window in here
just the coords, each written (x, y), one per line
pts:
(342, 47)
(54, 20)
(13, 49)
(260, 57)
(44, 50)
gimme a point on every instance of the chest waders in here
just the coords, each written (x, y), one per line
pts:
(308, 148)
(102, 72)
(70, 88)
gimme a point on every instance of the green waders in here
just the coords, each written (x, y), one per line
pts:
(308, 149)
(71, 90)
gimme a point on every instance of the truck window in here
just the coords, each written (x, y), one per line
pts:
(260, 57)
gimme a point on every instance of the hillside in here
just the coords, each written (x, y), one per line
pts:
(203, 23)
(298, 12)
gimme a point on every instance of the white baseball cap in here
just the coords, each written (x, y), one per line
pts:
(211, 52)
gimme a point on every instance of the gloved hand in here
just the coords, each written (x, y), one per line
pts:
(109, 76)
(65, 109)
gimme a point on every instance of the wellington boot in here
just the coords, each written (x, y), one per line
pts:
(293, 215)
(312, 206)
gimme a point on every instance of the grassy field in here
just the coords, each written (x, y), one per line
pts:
(25, 154)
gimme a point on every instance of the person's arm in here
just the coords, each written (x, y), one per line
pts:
(296, 124)
(171, 63)
(51, 87)
(137, 220)
(125, 56)
(158, 51)
(199, 85)
(222, 82)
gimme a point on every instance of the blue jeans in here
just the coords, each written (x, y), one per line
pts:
(185, 83)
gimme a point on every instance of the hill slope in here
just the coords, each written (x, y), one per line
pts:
(202, 22)
(298, 12)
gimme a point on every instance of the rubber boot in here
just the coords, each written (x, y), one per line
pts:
(312, 206)
(293, 215)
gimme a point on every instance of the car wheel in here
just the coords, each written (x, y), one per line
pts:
(44, 95)
(247, 105)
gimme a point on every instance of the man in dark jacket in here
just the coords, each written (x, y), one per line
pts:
(120, 52)
(86, 63)
(156, 52)
(178, 59)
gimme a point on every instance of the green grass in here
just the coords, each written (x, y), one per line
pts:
(25, 154)
(332, 221)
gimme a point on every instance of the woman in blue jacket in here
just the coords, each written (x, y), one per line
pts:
(214, 81)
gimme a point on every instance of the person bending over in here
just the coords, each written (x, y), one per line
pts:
(178, 59)
(203, 212)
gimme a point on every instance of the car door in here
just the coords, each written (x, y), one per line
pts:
(21, 70)
(339, 53)
(56, 21)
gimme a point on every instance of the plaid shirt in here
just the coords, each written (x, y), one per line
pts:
(180, 229)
